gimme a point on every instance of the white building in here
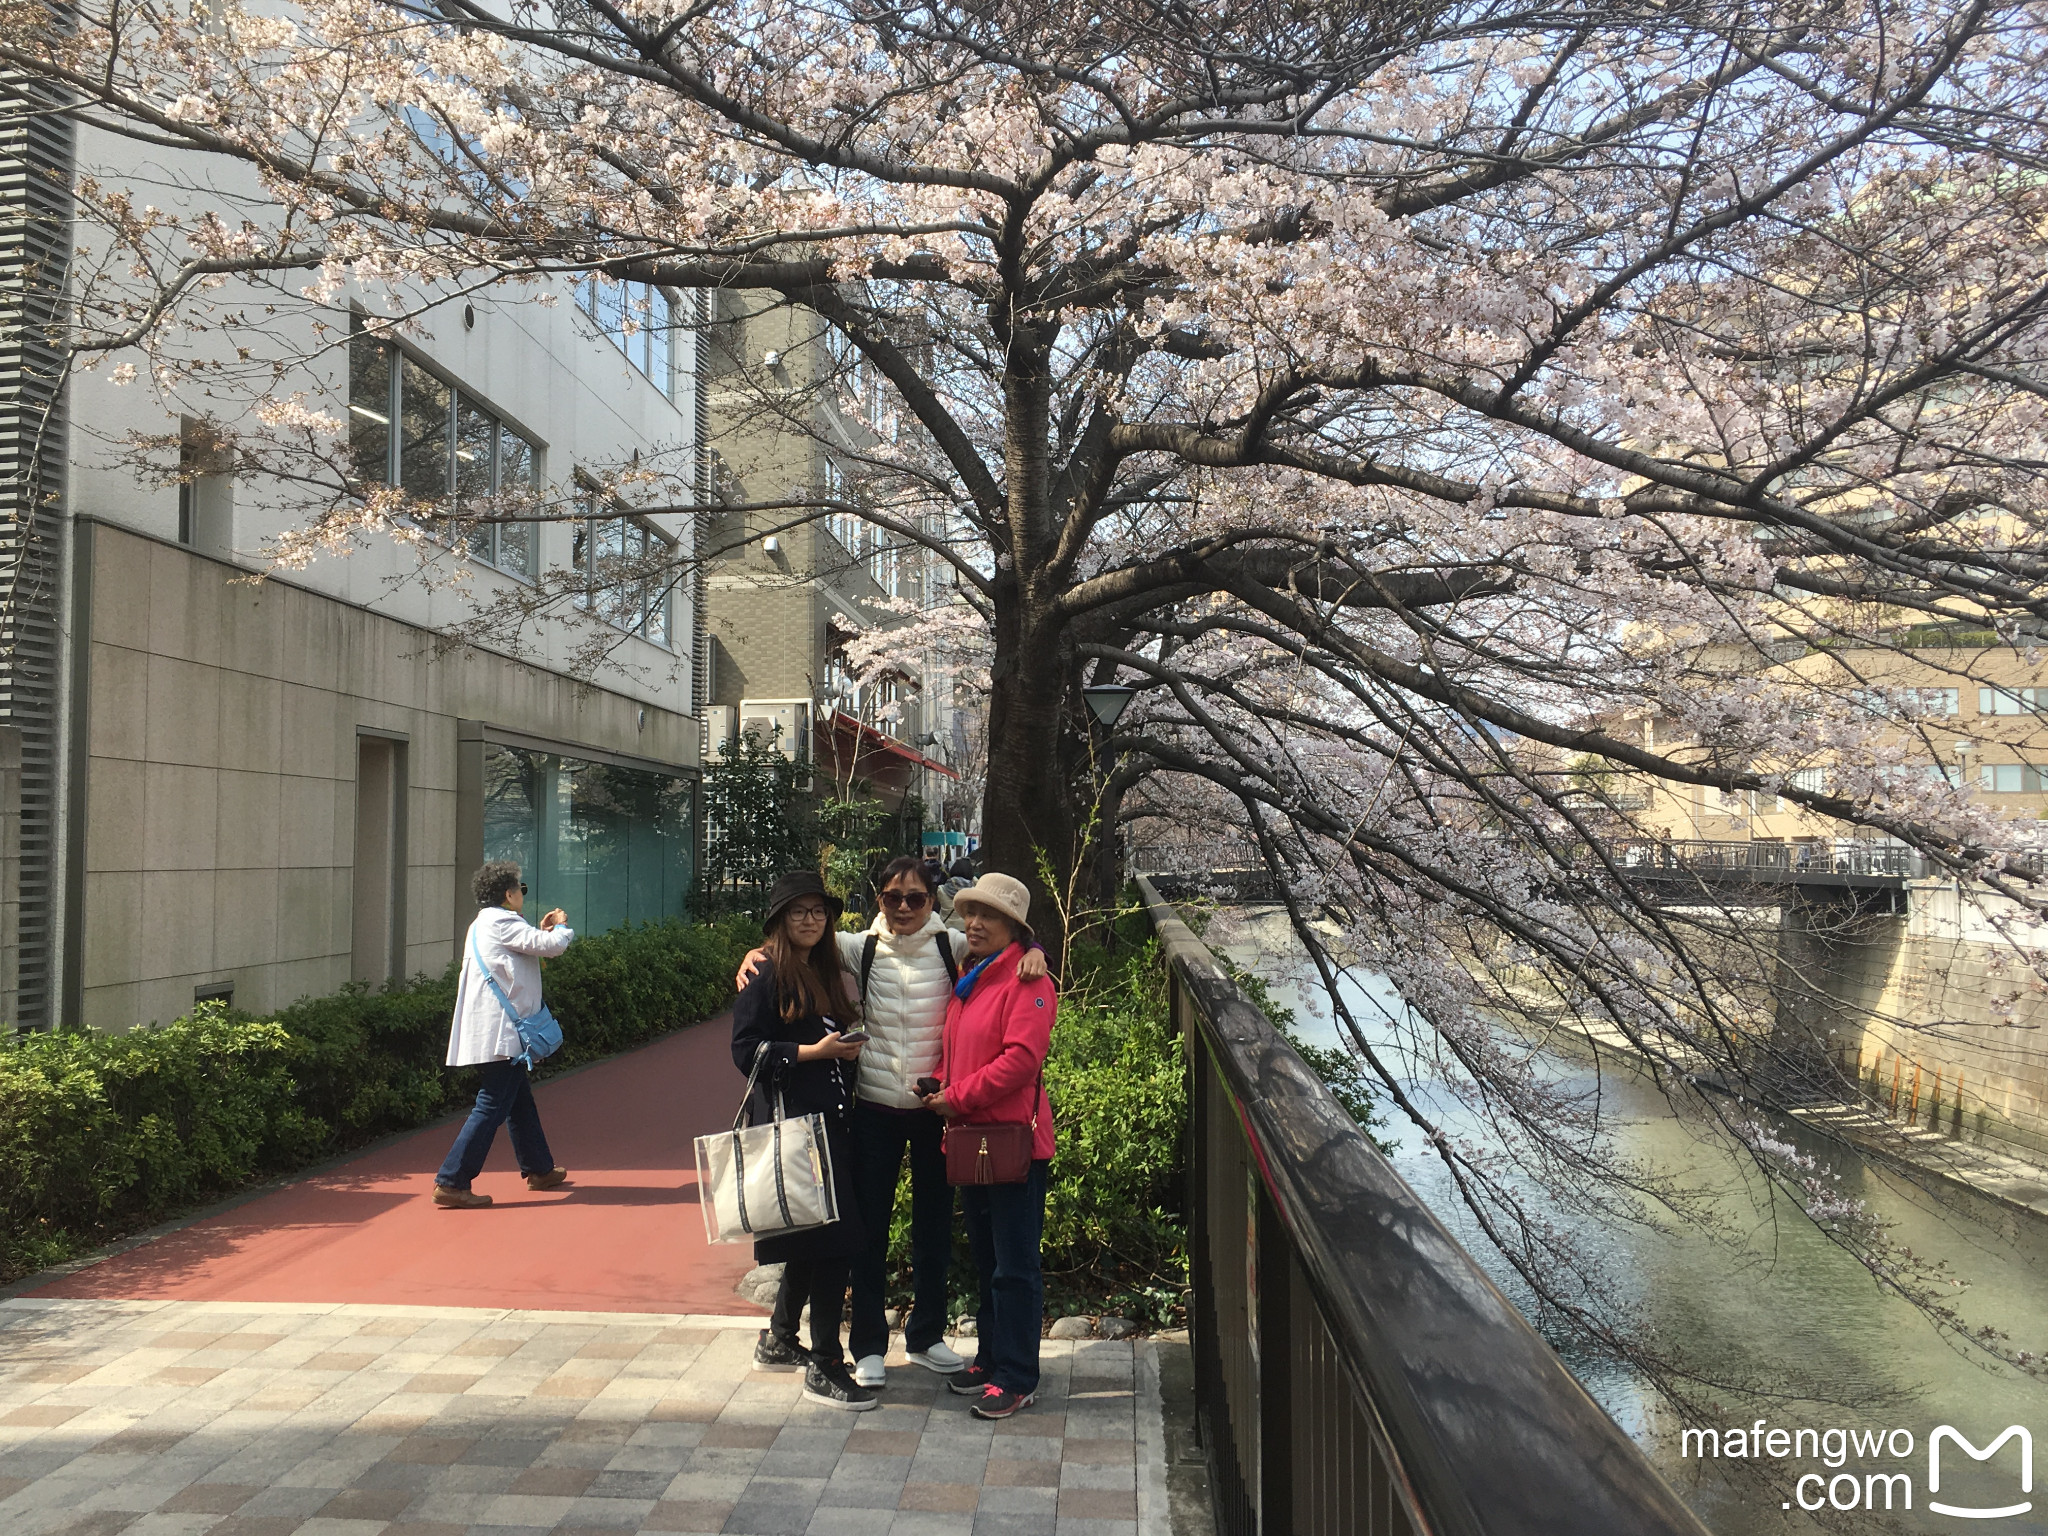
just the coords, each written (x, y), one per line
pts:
(214, 785)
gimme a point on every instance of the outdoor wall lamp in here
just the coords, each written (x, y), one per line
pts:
(1106, 702)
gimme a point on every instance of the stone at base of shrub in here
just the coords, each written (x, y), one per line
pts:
(760, 1284)
(892, 1317)
(1116, 1328)
(1072, 1328)
(964, 1329)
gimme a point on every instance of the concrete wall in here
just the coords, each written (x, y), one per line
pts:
(220, 777)
(1951, 994)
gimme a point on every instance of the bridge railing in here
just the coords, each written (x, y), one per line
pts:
(1356, 1372)
(1761, 859)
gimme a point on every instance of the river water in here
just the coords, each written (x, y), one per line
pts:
(1768, 1299)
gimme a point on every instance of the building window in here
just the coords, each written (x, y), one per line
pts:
(2012, 779)
(1909, 703)
(631, 572)
(639, 319)
(448, 447)
(611, 845)
(2012, 701)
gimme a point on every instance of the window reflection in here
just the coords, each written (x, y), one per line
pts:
(609, 845)
(424, 404)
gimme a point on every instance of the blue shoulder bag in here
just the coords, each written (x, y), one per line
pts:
(539, 1033)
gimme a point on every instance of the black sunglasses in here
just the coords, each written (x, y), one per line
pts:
(522, 887)
(910, 899)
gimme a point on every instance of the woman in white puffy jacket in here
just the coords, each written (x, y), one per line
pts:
(907, 962)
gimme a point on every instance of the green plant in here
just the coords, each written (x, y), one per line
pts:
(850, 825)
(109, 1129)
(758, 822)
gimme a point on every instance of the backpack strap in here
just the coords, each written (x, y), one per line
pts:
(867, 963)
(945, 942)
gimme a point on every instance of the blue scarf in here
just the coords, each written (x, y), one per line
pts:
(966, 983)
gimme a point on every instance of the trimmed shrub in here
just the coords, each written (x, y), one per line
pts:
(105, 1133)
(101, 1131)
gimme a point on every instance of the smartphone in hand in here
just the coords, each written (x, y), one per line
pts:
(927, 1086)
(854, 1036)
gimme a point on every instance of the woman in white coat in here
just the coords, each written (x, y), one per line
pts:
(907, 962)
(483, 1035)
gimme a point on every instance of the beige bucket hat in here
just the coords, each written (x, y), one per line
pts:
(1002, 894)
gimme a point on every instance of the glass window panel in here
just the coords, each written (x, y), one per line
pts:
(515, 474)
(425, 408)
(616, 599)
(658, 611)
(611, 311)
(601, 810)
(515, 784)
(660, 318)
(476, 438)
(2000, 778)
(369, 408)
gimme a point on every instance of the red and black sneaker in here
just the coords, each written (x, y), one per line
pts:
(971, 1382)
(1000, 1402)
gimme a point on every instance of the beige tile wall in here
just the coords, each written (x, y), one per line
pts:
(220, 798)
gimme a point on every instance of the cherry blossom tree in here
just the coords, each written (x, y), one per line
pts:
(1404, 399)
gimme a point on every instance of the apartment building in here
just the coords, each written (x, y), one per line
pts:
(788, 591)
(224, 779)
(1977, 711)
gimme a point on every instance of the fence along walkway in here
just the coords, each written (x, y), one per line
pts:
(1355, 1370)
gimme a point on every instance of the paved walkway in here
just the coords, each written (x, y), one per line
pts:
(341, 1358)
(234, 1419)
(626, 1235)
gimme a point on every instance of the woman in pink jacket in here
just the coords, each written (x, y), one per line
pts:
(992, 1066)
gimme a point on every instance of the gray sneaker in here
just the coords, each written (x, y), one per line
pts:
(773, 1354)
(830, 1385)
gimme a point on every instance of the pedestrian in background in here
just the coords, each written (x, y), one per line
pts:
(998, 1030)
(484, 1036)
(792, 1010)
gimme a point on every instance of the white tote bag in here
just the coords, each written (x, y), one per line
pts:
(760, 1180)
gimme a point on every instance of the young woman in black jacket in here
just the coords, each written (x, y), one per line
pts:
(796, 1007)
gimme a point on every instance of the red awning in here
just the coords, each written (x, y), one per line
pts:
(872, 740)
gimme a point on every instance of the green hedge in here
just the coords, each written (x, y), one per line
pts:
(105, 1133)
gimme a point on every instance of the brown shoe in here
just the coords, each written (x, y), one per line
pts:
(553, 1179)
(459, 1199)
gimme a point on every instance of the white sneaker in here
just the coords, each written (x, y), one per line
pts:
(938, 1358)
(868, 1372)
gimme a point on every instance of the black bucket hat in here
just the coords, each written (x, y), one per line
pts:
(800, 882)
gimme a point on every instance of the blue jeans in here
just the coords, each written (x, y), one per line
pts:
(506, 1094)
(879, 1139)
(1005, 1227)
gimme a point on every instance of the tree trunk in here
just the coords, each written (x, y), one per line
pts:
(1027, 818)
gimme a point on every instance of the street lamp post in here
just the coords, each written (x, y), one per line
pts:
(1106, 705)
(1107, 702)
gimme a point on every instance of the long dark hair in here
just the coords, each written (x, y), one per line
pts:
(813, 983)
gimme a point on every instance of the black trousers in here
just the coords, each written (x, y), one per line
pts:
(819, 1284)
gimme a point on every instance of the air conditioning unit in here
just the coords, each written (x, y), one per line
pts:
(720, 720)
(782, 723)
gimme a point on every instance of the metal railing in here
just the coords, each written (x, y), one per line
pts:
(1765, 860)
(1355, 1371)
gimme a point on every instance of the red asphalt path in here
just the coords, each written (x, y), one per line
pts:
(624, 1235)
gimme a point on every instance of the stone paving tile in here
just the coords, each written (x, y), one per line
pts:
(214, 1419)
